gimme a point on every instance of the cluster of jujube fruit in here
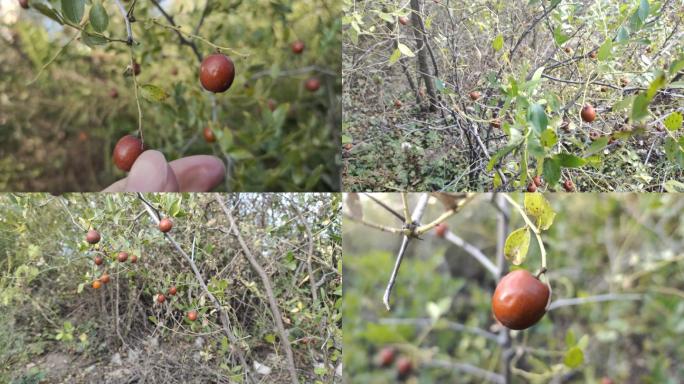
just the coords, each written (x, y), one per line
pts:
(387, 357)
(93, 237)
(216, 74)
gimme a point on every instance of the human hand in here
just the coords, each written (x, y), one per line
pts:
(152, 173)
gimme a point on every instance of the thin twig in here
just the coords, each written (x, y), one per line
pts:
(275, 311)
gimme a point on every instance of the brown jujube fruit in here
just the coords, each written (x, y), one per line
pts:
(134, 259)
(404, 367)
(24, 4)
(99, 260)
(104, 279)
(126, 151)
(312, 84)
(532, 187)
(474, 95)
(440, 229)
(97, 284)
(403, 20)
(93, 236)
(122, 257)
(172, 291)
(161, 298)
(298, 47)
(165, 224)
(520, 300)
(192, 315)
(386, 356)
(537, 180)
(217, 73)
(209, 136)
(588, 113)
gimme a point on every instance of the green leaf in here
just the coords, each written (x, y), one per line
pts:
(597, 146)
(574, 357)
(551, 170)
(92, 40)
(656, 84)
(73, 10)
(549, 138)
(643, 10)
(48, 11)
(674, 186)
(406, 51)
(98, 16)
(570, 340)
(538, 207)
(622, 35)
(80, 288)
(673, 152)
(517, 244)
(537, 117)
(567, 160)
(439, 84)
(559, 36)
(606, 51)
(153, 93)
(640, 107)
(673, 121)
(347, 139)
(396, 55)
(497, 44)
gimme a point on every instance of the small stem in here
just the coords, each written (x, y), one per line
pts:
(129, 30)
(407, 212)
(137, 98)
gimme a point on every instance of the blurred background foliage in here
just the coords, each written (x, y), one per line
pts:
(54, 326)
(57, 133)
(615, 244)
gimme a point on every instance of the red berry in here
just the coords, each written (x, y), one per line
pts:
(126, 151)
(209, 136)
(97, 284)
(312, 84)
(520, 300)
(217, 73)
(161, 298)
(537, 180)
(93, 236)
(386, 356)
(532, 187)
(298, 47)
(122, 257)
(588, 113)
(172, 291)
(440, 229)
(192, 315)
(136, 68)
(404, 367)
(165, 224)
(568, 185)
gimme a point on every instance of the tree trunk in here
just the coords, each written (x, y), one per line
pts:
(421, 53)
